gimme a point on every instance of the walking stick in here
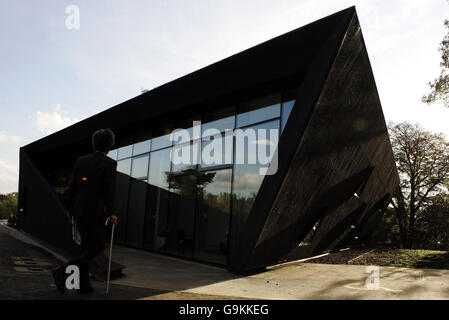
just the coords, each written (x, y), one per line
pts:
(110, 257)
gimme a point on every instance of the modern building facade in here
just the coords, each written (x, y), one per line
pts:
(284, 154)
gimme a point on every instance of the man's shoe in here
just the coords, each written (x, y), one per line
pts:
(85, 290)
(59, 278)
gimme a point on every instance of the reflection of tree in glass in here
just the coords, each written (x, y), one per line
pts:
(219, 201)
(186, 184)
(241, 205)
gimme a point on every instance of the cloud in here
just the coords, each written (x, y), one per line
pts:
(9, 177)
(49, 122)
(9, 172)
(6, 137)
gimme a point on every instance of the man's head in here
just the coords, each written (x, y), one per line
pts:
(103, 140)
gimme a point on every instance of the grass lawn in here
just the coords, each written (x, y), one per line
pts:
(405, 258)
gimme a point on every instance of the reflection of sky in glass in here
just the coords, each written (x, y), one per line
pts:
(217, 151)
(190, 133)
(124, 166)
(286, 110)
(140, 167)
(247, 179)
(142, 147)
(221, 183)
(160, 142)
(125, 152)
(113, 154)
(220, 124)
(185, 153)
(258, 115)
(159, 165)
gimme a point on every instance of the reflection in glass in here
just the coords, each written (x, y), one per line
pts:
(259, 110)
(217, 150)
(220, 125)
(187, 134)
(182, 209)
(136, 213)
(214, 205)
(161, 142)
(185, 156)
(181, 214)
(247, 179)
(159, 168)
(121, 197)
(125, 152)
(286, 110)
(140, 167)
(158, 195)
(113, 154)
(141, 147)
(124, 166)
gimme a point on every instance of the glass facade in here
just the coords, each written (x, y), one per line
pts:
(180, 197)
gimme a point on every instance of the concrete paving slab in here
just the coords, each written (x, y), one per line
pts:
(340, 282)
(19, 282)
(150, 270)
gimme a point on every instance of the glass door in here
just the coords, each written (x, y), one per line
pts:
(181, 217)
(213, 216)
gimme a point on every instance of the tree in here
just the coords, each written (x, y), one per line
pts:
(440, 87)
(433, 232)
(422, 159)
(8, 205)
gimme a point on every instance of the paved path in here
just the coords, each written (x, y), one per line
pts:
(323, 281)
(188, 280)
(24, 274)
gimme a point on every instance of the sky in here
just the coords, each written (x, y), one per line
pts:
(53, 76)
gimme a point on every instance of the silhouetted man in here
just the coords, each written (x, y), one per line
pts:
(91, 196)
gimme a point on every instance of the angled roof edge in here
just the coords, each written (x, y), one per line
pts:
(288, 54)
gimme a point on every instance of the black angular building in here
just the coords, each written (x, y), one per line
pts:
(328, 184)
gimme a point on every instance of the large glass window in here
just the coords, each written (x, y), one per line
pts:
(180, 199)
(136, 213)
(161, 142)
(185, 156)
(286, 110)
(160, 168)
(113, 154)
(217, 150)
(140, 167)
(249, 171)
(141, 147)
(158, 195)
(191, 130)
(213, 216)
(182, 214)
(219, 125)
(124, 166)
(259, 110)
(125, 152)
(121, 197)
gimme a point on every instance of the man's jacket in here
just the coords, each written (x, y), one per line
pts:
(91, 187)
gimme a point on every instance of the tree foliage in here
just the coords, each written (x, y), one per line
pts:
(440, 86)
(422, 159)
(8, 205)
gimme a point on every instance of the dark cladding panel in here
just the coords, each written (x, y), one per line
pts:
(44, 215)
(344, 148)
